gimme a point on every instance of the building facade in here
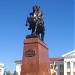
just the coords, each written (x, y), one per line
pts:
(18, 66)
(57, 66)
(1, 68)
(69, 63)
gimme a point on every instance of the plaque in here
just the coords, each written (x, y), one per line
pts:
(30, 53)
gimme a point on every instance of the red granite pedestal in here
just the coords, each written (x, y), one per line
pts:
(35, 59)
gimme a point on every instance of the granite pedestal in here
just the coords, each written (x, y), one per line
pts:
(35, 59)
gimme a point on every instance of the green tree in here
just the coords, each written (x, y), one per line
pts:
(15, 73)
(8, 73)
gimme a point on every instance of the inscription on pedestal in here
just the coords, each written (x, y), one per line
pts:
(30, 53)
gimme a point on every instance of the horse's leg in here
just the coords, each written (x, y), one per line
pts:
(29, 27)
(35, 29)
(27, 22)
(42, 35)
(38, 35)
(32, 31)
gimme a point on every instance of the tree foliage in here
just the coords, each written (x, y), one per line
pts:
(8, 73)
(15, 73)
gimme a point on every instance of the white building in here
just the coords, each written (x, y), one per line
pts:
(57, 66)
(1, 68)
(62, 66)
(69, 63)
(58, 62)
(18, 66)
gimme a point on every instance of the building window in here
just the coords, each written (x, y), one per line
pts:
(68, 64)
(61, 67)
(68, 73)
(0, 71)
(74, 64)
(61, 73)
(54, 73)
(73, 73)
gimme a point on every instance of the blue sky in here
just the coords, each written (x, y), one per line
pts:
(59, 26)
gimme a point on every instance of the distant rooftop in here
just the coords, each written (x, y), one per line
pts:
(51, 59)
(56, 59)
(1, 64)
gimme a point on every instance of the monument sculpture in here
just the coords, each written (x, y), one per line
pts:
(35, 60)
(36, 23)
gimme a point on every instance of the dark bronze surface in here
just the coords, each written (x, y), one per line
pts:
(36, 23)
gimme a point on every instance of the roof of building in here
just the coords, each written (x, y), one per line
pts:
(51, 59)
(56, 59)
(69, 54)
(2, 65)
(18, 61)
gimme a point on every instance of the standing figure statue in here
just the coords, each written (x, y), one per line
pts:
(36, 23)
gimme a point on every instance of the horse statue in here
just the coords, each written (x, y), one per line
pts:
(36, 23)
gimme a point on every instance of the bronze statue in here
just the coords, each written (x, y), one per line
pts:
(36, 23)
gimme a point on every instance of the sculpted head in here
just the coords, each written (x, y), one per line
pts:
(34, 8)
